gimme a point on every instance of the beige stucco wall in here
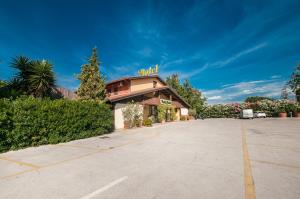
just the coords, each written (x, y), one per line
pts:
(119, 120)
(141, 84)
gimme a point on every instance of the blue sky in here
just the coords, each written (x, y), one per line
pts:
(227, 49)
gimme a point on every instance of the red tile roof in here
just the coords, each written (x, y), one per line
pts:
(136, 77)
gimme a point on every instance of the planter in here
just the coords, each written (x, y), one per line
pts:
(126, 125)
(297, 114)
(283, 114)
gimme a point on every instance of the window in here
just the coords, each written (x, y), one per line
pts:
(115, 90)
(154, 84)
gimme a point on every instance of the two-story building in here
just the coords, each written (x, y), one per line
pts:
(148, 91)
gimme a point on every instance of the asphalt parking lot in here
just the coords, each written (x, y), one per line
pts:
(209, 159)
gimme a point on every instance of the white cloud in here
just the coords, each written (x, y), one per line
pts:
(215, 64)
(275, 76)
(239, 91)
(217, 97)
(233, 58)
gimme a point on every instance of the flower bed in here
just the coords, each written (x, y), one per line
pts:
(271, 108)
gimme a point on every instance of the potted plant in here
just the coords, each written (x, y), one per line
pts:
(281, 110)
(126, 124)
(297, 111)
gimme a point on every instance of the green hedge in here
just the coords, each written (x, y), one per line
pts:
(31, 122)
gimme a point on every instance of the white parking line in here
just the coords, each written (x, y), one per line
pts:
(110, 185)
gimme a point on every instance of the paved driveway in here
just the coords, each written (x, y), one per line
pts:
(216, 158)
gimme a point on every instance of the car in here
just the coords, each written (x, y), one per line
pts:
(259, 114)
(246, 114)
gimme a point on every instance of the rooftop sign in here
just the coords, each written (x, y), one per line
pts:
(150, 71)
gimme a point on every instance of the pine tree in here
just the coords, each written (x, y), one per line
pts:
(173, 82)
(191, 95)
(92, 84)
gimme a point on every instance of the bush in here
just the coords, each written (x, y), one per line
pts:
(148, 122)
(133, 114)
(5, 124)
(162, 110)
(271, 108)
(32, 122)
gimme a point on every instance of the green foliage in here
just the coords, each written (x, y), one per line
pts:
(92, 84)
(23, 66)
(294, 82)
(173, 113)
(6, 124)
(147, 122)
(173, 82)
(31, 122)
(192, 112)
(41, 79)
(133, 114)
(33, 77)
(9, 92)
(191, 95)
(254, 99)
(3, 84)
(162, 110)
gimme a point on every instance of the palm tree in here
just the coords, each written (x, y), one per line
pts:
(41, 79)
(23, 65)
(34, 77)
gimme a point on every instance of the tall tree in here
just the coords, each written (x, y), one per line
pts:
(191, 95)
(92, 83)
(294, 82)
(173, 82)
(187, 90)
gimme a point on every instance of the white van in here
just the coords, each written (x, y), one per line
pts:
(247, 114)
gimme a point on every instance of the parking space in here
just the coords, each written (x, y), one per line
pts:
(214, 158)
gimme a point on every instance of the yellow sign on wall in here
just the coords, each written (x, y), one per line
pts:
(150, 71)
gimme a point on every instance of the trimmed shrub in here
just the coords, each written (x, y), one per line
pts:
(32, 122)
(6, 124)
(148, 122)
